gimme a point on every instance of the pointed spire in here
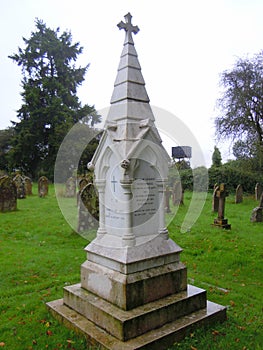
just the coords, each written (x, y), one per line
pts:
(129, 98)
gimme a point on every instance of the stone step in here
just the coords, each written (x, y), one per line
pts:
(157, 339)
(125, 325)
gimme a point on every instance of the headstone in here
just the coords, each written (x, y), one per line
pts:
(133, 292)
(28, 185)
(220, 221)
(215, 201)
(20, 186)
(70, 190)
(42, 186)
(88, 208)
(239, 194)
(257, 213)
(178, 193)
(8, 194)
(258, 191)
(167, 200)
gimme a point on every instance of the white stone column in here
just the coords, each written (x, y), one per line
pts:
(162, 227)
(128, 239)
(100, 184)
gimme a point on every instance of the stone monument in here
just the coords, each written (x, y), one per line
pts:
(8, 194)
(88, 208)
(20, 186)
(215, 199)
(257, 213)
(133, 292)
(258, 191)
(239, 194)
(42, 186)
(220, 221)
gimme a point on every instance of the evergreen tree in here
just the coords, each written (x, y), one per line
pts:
(216, 158)
(50, 103)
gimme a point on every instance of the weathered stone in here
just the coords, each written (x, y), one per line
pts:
(167, 199)
(258, 191)
(178, 193)
(215, 200)
(42, 186)
(28, 185)
(8, 194)
(220, 221)
(88, 208)
(20, 186)
(257, 215)
(70, 190)
(239, 194)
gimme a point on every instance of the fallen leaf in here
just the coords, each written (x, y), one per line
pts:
(49, 332)
(193, 348)
(2, 344)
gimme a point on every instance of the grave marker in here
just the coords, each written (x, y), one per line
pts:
(215, 201)
(88, 208)
(178, 196)
(20, 186)
(28, 185)
(133, 292)
(257, 213)
(8, 194)
(220, 221)
(258, 191)
(42, 186)
(239, 194)
(70, 190)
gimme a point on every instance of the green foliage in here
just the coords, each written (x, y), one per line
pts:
(216, 158)
(50, 104)
(241, 105)
(232, 174)
(5, 144)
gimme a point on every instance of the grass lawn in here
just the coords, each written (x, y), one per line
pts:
(40, 253)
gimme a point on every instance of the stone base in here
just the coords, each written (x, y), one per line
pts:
(155, 339)
(222, 223)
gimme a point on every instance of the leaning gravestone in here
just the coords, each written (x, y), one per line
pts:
(70, 188)
(20, 186)
(28, 185)
(239, 194)
(257, 213)
(258, 191)
(133, 292)
(215, 199)
(220, 221)
(42, 186)
(8, 194)
(88, 208)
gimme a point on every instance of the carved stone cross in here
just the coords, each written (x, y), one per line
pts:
(129, 28)
(221, 194)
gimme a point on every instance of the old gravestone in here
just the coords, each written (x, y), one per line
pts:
(20, 186)
(8, 194)
(70, 190)
(257, 213)
(42, 186)
(258, 191)
(177, 193)
(133, 292)
(215, 199)
(167, 199)
(239, 194)
(221, 221)
(28, 185)
(88, 208)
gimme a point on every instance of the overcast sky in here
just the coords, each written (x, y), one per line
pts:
(182, 46)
